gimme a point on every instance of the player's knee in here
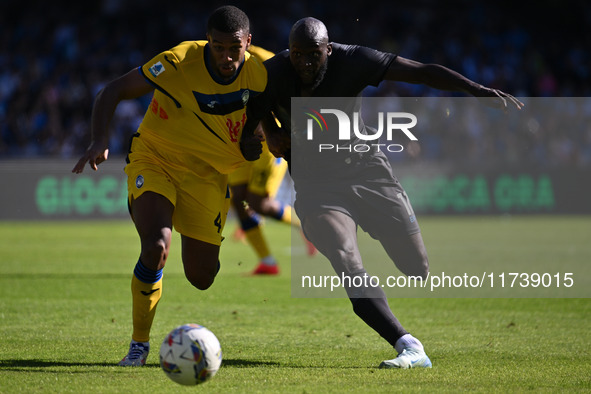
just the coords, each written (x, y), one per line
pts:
(420, 268)
(255, 204)
(423, 269)
(202, 281)
(154, 253)
(345, 260)
(237, 202)
(202, 278)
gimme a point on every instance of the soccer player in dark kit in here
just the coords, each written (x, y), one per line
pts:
(353, 189)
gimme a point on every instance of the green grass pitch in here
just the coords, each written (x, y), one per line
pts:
(65, 316)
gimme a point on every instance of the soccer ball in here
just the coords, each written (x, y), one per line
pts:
(190, 354)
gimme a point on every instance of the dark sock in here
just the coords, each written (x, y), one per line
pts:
(376, 313)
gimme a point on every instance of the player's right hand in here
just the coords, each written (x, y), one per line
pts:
(251, 147)
(94, 156)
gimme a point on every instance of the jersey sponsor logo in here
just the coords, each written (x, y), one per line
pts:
(156, 69)
(235, 127)
(158, 110)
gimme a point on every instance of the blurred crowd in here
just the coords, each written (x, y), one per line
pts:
(55, 57)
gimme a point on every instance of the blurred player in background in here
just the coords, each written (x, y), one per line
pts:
(353, 189)
(253, 189)
(191, 137)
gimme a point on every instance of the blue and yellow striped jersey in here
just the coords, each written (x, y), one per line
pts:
(193, 112)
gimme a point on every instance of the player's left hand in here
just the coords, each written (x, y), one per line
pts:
(500, 99)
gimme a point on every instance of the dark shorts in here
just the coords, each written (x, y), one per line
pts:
(370, 194)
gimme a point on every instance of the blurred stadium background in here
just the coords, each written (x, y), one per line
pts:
(55, 56)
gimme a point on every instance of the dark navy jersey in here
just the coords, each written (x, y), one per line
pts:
(350, 70)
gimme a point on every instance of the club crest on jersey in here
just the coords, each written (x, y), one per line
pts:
(156, 69)
(139, 181)
(245, 96)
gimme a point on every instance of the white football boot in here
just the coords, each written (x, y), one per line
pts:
(409, 358)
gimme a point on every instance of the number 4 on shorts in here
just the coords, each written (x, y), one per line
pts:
(218, 222)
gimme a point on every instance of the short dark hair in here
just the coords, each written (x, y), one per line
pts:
(228, 19)
(308, 29)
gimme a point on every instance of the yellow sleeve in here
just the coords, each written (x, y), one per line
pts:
(260, 53)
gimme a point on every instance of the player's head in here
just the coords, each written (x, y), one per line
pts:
(228, 34)
(309, 50)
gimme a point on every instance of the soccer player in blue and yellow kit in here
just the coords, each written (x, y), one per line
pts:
(189, 140)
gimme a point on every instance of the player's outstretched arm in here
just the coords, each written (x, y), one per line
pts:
(128, 86)
(443, 78)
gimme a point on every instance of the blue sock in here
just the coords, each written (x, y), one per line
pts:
(146, 275)
(279, 214)
(251, 222)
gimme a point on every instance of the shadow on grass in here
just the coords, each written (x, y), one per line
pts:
(35, 364)
(32, 365)
(239, 363)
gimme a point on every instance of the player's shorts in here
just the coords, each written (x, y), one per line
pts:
(371, 196)
(199, 194)
(263, 176)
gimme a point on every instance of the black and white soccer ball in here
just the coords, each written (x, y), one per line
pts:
(190, 354)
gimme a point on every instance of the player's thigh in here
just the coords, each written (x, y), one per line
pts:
(399, 233)
(238, 182)
(334, 234)
(386, 213)
(410, 246)
(202, 207)
(238, 195)
(408, 253)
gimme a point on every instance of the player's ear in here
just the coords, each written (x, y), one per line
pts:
(328, 49)
(248, 40)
